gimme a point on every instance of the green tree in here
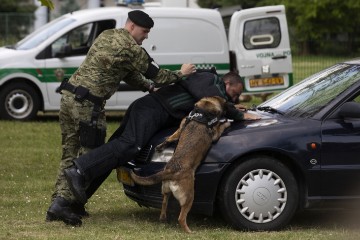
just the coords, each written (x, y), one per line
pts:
(319, 20)
(225, 3)
(68, 6)
(47, 3)
(16, 18)
(21, 6)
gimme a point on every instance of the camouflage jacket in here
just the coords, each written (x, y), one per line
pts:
(115, 57)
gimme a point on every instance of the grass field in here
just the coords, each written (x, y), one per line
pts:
(29, 157)
(304, 66)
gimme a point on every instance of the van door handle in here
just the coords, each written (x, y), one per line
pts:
(279, 57)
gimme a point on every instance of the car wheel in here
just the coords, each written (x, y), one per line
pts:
(18, 101)
(259, 194)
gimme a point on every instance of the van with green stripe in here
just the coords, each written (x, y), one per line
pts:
(256, 46)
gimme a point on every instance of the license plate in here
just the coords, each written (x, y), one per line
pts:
(123, 176)
(265, 82)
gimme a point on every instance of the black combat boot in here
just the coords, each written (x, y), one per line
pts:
(60, 210)
(79, 209)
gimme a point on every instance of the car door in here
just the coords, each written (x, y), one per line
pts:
(64, 55)
(340, 161)
(259, 38)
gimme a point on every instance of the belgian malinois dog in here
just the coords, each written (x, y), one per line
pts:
(195, 136)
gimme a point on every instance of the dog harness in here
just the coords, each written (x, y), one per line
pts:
(203, 117)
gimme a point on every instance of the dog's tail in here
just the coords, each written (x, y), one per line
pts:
(152, 179)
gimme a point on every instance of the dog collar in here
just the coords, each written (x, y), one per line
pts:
(203, 117)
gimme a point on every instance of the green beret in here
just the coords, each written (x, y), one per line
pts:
(141, 19)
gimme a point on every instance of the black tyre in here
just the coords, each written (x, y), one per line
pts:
(18, 101)
(259, 194)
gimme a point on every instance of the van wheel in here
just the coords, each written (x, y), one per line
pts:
(259, 194)
(18, 101)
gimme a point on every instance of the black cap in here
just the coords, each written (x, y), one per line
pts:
(141, 19)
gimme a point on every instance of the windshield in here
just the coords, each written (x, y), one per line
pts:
(43, 33)
(312, 94)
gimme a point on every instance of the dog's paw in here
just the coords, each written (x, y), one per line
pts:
(163, 219)
(227, 124)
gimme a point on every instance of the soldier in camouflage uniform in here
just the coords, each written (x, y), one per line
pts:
(115, 56)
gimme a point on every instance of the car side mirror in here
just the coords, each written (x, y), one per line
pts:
(350, 110)
(65, 50)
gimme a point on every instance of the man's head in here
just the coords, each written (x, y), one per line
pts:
(139, 24)
(233, 85)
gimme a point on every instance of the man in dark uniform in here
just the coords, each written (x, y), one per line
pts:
(147, 115)
(115, 56)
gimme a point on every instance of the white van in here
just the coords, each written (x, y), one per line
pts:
(257, 47)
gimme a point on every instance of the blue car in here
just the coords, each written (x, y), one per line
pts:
(304, 151)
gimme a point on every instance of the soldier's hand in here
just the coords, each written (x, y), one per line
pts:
(187, 69)
(251, 116)
(240, 107)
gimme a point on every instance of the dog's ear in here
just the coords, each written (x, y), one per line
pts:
(204, 103)
(220, 99)
(217, 105)
(222, 102)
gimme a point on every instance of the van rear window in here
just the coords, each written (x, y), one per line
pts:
(262, 33)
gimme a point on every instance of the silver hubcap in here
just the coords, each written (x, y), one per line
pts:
(19, 104)
(261, 196)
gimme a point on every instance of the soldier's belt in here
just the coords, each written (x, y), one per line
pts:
(81, 93)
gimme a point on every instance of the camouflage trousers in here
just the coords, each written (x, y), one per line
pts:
(71, 113)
